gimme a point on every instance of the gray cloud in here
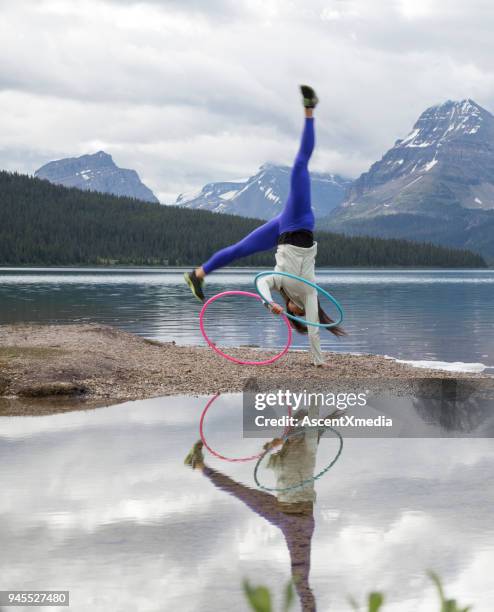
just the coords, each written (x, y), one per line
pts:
(188, 92)
(218, 8)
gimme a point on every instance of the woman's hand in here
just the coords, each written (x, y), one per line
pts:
(273, 444)
(276, 308)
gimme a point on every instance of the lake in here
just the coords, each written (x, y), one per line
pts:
(100, 503)
(432, 315)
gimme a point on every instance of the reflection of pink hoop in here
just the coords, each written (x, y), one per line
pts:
(213, 452)
(229, 357)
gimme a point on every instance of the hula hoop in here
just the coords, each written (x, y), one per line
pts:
(311, 284)
(229, 357)
(307, 481)
(213, 452)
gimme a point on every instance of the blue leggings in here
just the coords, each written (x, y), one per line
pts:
(296, 215)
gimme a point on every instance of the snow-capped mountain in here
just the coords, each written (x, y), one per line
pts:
(263, 195)
(436, 184)
(97, 172)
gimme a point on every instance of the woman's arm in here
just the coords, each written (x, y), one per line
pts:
(265, 284)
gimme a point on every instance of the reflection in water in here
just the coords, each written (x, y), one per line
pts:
(292, 508)
(98, 502)
(457, 405)
(454, 405)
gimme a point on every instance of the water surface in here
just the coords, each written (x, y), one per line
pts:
(100, 503)
(444, 315)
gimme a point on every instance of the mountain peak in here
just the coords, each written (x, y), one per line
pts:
(444, 166)
(101, 155)
(92, 160)
(96, 172)
(466, 106)
(445, 122)
(263, 194)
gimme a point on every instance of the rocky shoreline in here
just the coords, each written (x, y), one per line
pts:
(99, 365)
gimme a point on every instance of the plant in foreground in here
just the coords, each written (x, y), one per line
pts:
(374, 601)
(447, 605)
(260, 599)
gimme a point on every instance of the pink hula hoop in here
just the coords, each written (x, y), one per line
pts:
(229, 357)
(231, 459)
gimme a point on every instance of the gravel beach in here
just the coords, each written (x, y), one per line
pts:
(94, 365)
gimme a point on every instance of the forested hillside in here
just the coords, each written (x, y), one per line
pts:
(46, 224)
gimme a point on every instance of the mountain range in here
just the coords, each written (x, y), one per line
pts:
(97, 172)
(263, 195)
(436, 184)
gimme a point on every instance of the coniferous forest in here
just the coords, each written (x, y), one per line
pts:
(45, 224)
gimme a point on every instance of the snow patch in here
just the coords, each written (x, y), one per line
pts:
(430, 165)
(228, 195)
(189, 196)
(448, 366)
(410, 136)
(269, 195)
(419, 144)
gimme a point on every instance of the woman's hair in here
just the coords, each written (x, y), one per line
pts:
(301, 328)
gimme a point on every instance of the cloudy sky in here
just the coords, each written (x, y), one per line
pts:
(187, 92)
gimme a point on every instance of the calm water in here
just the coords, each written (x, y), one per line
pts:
(100, 503)
(413, 314)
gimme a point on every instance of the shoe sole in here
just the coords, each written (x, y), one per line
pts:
(192, 288)
(310, 99)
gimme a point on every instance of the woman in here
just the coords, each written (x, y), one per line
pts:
(291, 510)
(292, 231)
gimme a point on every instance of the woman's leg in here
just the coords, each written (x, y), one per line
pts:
(261, 239)
(297, 213)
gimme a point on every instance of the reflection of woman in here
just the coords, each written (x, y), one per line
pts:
(292, 232)
(291, 510)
